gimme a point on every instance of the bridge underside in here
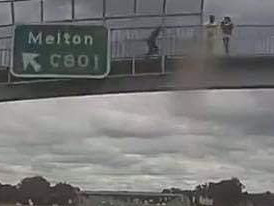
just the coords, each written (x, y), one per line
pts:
(149, 75)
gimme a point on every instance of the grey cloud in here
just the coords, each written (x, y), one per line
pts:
(247, 116)
(88, 9)
(95, 151)
(254, 12)
(5, 14)
(184, 146)
(57, 10)
(23, 10)
(243, 11)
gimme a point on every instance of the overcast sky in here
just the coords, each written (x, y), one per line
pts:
(141, 141)
(146, 141)
(242, 11)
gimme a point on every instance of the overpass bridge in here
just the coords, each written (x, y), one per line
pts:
(182, 63)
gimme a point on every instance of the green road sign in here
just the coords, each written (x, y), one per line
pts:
(61, 51)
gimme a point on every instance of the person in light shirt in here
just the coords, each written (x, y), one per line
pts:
(211, 29)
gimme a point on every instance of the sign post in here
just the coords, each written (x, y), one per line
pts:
(61, 51)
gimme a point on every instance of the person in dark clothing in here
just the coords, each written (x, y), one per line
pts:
(227, 30)
(151, 41)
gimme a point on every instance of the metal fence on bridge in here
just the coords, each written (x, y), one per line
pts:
(130, 43)
(107, 12)
(175, 41)
(179, 41)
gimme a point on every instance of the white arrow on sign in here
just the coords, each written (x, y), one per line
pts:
(29, 59)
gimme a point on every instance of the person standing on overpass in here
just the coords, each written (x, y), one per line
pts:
(227, 30)
(151, 41)
(211, 34)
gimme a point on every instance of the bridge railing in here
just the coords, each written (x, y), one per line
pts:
(179, 41)
(5, 51)
(129, 43)
(132, 42)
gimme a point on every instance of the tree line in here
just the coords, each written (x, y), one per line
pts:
(39, 191)
(225, 192)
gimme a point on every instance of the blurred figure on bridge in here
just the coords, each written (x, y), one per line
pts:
(151, 41)
(227, 30)
(211, 35)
